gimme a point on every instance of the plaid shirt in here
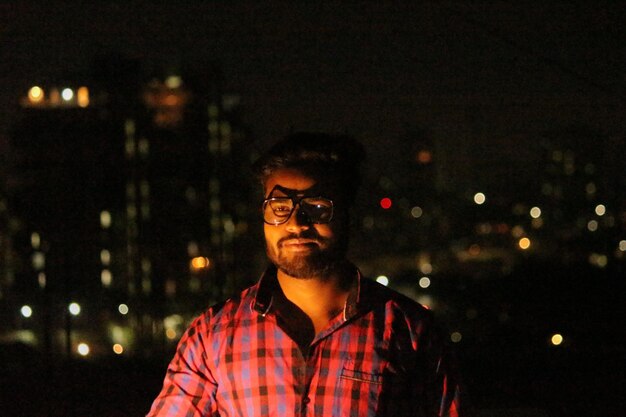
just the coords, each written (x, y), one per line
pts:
(379, 357)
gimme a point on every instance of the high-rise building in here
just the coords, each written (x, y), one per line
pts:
(133, 205)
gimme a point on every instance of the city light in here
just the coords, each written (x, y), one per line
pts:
(200, 262)
(600, 210)
(417, 212)
(424, 157)
(426, 268)
(535, 212)
(106, 278)
(35, 94)
(67, 94)
(105, 257)
(622, 245)
(382, 280)
(74, 309)
(41, 280)
(456, 337)
(385, 203)
(123, 309)
(170, 334)
(524, 243)
(556, 339)
(83, 349)
(105, 219)
(82, 97)
(26, 311)
(598, 260)
(173, 82)
(424, 282)
(592, 225)
(118, 349)
(479, 198)
(35, 240)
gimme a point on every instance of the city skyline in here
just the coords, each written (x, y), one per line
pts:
(493, 190)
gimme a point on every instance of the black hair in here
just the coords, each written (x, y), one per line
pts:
(334, 157)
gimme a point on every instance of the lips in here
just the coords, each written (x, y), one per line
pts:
(298, 244)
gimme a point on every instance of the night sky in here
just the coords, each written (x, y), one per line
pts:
(471, 74)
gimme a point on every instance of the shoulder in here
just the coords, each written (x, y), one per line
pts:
(379, 295)
(221, 315)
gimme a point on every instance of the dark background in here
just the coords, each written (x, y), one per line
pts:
(484, 79)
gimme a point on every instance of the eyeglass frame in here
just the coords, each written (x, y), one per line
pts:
(297, 201)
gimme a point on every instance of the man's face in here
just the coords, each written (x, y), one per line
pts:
(298, 247)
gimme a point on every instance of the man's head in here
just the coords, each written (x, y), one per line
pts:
(309, 183)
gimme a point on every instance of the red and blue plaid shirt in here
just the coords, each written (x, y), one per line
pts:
(380, 357)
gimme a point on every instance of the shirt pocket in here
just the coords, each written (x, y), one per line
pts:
(356, 375)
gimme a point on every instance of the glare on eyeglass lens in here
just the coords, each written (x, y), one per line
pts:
(278, 210)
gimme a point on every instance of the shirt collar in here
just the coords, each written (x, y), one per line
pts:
(263, 298)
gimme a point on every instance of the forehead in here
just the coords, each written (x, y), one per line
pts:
(296, 180)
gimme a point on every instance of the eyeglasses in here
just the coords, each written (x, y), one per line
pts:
(277, 210)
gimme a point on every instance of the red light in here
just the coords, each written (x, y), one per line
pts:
(385, 203)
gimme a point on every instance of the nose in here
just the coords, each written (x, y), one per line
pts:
(298, 220)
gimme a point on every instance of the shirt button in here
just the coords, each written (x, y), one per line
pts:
(306, 400)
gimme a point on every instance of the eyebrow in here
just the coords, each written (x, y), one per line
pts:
(291, 192)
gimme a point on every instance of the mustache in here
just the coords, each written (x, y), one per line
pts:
(307, 234)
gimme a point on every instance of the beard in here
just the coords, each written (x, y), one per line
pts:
(318, 263)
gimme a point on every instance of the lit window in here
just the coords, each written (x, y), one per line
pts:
(105, 257)
(173, 81)
(199, 262)
(41, 279)
(39, 261)
(35, 240)
(105, 219)
(424, 157)
(426, 268)
(67, 94)
(82, 97)
(35, 94)
(106, 278)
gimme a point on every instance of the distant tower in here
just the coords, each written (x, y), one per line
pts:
(133, 201)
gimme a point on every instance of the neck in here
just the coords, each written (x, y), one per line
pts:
(320, 298)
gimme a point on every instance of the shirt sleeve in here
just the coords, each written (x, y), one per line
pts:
(188, 389)
(447, 396)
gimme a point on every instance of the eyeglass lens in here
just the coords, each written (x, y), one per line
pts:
(277, 210)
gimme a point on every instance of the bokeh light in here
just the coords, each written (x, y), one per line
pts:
(26, 311)
(83, 349)
(74, 309)
(385, 203)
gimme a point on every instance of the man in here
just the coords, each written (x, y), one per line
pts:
(312, 337)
